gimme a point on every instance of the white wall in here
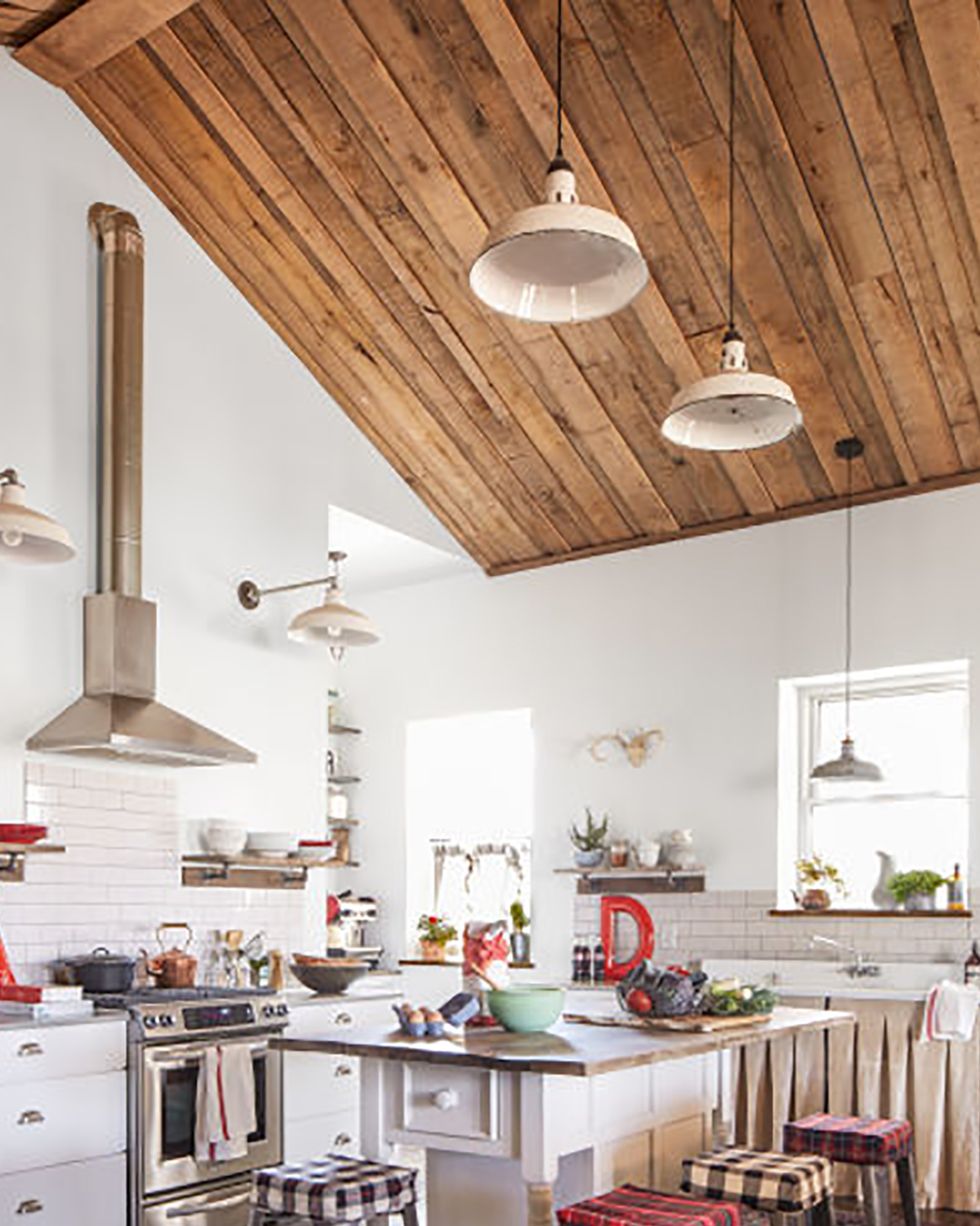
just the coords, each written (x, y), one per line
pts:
(693, 637)
(243, 453)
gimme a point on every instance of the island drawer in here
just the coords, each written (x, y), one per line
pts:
(315, 1084)
(438, 1100)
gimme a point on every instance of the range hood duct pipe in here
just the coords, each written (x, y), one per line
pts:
(118, 715)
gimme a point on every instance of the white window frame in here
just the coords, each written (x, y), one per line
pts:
(799, 698)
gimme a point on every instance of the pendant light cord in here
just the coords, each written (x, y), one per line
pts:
(731, 164)
(559, 149)
(848, 583)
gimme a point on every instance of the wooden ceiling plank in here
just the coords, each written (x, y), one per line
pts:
(949, 34)
(20, 22)
(345, 47)
(780, 191)
(300, 102)
(92, 34)
(796, 472)
(580, 471)
(101, 106)
(502, 39)
(897, 195)
(253, 138)
(692, 492)
(413, 56)
(167, 120)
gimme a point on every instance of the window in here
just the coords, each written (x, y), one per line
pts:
(469, 794)
(914, 723)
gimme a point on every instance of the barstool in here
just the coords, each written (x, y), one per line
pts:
(333, 1189)
(630, 1205)
(792, 1187)
(873, 1145)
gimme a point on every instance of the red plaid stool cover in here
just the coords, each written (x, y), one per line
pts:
(630, 1205)
(849, 1138)
(778, 1183)
(334, 1189)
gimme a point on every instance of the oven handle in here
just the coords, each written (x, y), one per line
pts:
(193, 1054)
(206, 1207)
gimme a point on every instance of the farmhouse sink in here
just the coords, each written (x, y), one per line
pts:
(806, 977)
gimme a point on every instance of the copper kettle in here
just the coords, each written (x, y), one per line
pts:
(174, 967)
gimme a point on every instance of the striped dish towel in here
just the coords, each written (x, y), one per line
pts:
(950, 1012)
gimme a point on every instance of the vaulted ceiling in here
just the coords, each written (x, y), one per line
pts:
(341, 160)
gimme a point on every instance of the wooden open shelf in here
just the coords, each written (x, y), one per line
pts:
(845, 913)
(342, 779)
(343, 730)
(636, 880)
(250, 871)
(456, 963)
(13, 856)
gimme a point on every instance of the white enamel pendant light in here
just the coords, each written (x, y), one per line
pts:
(561, 261)
(847, 767)
(736, 409)
(26, 535)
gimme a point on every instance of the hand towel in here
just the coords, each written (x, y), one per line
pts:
(950, 1013)
(225, 1103)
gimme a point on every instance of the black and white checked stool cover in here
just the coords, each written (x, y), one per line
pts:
(336, 1188)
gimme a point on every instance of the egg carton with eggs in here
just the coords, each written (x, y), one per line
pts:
(423, 1022)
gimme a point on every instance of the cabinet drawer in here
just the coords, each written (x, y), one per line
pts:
(315, 1084)
(438, 1100)
(305, 1020)
(338, 1133)
(41, 1053)
(82, 1193)
(46, 1123)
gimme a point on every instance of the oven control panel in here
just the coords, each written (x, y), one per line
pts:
(199, 1017)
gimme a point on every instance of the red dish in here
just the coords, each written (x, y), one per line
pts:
(21, 832)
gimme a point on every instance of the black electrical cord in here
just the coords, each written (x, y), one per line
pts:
(559, 150)
(731, 165)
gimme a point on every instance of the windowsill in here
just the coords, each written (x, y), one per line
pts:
(842, 913)
(458, 962)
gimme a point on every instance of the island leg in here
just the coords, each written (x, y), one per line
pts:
(539, 1162)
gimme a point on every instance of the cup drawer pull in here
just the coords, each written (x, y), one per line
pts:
(343, 1070)
(344, 1019)
(30, 1049)
(31, 1117)
(32, 1205)
(343, 1138)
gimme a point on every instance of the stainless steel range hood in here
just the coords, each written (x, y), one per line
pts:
(118, 715)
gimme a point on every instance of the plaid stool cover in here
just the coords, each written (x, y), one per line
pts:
(778, 1183)
(630, 1205)
(849, 1138)
(334, 1189)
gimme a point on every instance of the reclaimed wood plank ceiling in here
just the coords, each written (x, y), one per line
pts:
(341, 161)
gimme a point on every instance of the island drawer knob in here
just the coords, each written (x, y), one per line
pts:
(30, 1049)
(445, 1100)
(31, 1117)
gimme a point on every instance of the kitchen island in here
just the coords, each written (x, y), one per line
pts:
(512, 1124)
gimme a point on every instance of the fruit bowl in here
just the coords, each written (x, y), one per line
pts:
(652, 991)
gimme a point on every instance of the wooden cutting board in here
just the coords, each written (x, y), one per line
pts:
(695, 1023)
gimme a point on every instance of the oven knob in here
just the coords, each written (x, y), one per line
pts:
(166, 1019)
(150, 1022)
(268, 1010)
(282, 1010)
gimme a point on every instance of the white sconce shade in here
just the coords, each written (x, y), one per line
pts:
(26, 535)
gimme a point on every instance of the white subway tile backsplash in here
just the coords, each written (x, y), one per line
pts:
(120, 876)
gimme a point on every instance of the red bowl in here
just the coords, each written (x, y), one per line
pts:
(21, 832)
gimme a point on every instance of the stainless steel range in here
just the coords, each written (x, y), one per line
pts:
(169, 1032)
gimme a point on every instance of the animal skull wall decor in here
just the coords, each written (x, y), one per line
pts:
(636, 745)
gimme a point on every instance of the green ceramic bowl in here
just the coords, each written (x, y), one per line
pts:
(526, 1008)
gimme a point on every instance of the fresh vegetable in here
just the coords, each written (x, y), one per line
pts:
(638, 1001)
(672, 992)
(730, 998)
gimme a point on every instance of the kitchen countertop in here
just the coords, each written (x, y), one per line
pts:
(568, 1049)
(10, 1022)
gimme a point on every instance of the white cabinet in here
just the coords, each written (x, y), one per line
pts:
(63, 1124)
(321, 1094)
(82, 1193)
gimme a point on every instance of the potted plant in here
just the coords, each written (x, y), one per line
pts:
(520, 938)
(916, 889)
(590, 843)
(435, 933)
(816, 877)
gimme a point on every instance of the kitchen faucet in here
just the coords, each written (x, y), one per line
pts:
(859, 968)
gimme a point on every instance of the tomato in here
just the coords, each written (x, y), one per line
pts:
(639, 1001)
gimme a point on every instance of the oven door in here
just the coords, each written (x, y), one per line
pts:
(170, 1116)
(224, 1206)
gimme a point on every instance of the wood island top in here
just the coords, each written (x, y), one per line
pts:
(569, 1048)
